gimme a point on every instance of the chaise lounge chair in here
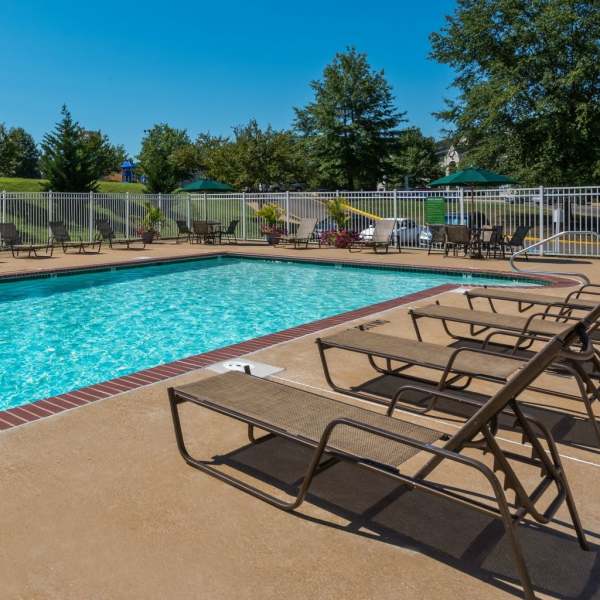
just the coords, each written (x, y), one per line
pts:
(387, 445)
(60, 236)
(382, 237)
(526, 299)
(11, 238)
(458, 366)
(107, 234)
(303, 235)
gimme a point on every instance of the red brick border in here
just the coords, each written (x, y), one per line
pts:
(13, 417)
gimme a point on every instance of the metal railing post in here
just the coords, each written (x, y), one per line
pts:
(159, 208)
(127, 215)
(205, 210)
(189, 210)
(461, 199)
(4, 206)
(91, 217)
(541, 215)
(244, 231)
(395, 204)
(287, 213)
(50, 212)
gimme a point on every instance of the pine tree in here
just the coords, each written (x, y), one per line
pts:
(74, 159)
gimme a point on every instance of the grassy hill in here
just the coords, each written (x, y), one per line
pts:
(16, 184)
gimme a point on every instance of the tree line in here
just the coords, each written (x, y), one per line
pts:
(528, 105)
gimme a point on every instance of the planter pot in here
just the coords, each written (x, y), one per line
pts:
(147, 237)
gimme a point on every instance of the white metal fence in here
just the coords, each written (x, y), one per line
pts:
(544, 210)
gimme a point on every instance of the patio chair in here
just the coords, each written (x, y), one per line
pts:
(382, 237)
(304, 234)
(183, 231)
(11, 238)
(516, 242)
(107, 234)
(438, 238)
(203, 232)
(493, 241)
(458, 237)
(387, 445)
(60, 235)
(459, 366)
(228, 233)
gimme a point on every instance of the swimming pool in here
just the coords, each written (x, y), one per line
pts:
(63, 333)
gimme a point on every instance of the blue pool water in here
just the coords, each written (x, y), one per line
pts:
(62, 333)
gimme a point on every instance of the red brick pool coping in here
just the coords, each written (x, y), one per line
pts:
(27, 413)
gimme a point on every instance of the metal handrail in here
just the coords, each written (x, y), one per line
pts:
(581, 276)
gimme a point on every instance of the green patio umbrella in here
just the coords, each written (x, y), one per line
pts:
(207, 185)
(471, 178)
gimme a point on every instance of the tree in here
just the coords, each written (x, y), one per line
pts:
(164, 158)
(414, 162)
(73, 159)
(256, 158)
(349, 126)
(528, 76)
(19, 156)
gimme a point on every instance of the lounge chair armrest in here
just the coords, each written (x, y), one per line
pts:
(440, 453)
(521, 336)
(414, 387)
(464, 350)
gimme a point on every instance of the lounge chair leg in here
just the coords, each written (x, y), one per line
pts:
(241, 485)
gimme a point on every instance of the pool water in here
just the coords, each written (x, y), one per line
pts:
(62, 333)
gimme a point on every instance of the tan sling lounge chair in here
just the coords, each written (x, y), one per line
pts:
(386, 445)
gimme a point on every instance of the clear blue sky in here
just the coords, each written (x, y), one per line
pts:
(204, 66)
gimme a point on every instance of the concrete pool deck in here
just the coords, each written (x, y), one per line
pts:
(97, 502)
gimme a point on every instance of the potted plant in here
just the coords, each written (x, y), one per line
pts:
(339, 237)
(152, 220)
(271, 214)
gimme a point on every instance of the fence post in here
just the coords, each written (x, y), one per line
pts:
(204, 203)
(127, 215)
(287, 213)
(395, 204)
(244, 232)
(4, 206)
(541, 214)
(159, 208)
(461, 199)
(189, 211)
(50, 212)
(91, 217)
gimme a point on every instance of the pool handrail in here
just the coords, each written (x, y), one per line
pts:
(584, 278)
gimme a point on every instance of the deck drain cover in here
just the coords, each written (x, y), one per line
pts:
(256, 368)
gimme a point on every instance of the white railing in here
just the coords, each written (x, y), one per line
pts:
(546, 211)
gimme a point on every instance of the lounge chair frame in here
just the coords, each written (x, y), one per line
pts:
(304, 235)
(11, 238)
(379, 239)
(60, 236)
(527, 300)
(106, 233)
(478, 433)
(459, 380)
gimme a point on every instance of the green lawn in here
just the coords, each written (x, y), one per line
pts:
(16, 184)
